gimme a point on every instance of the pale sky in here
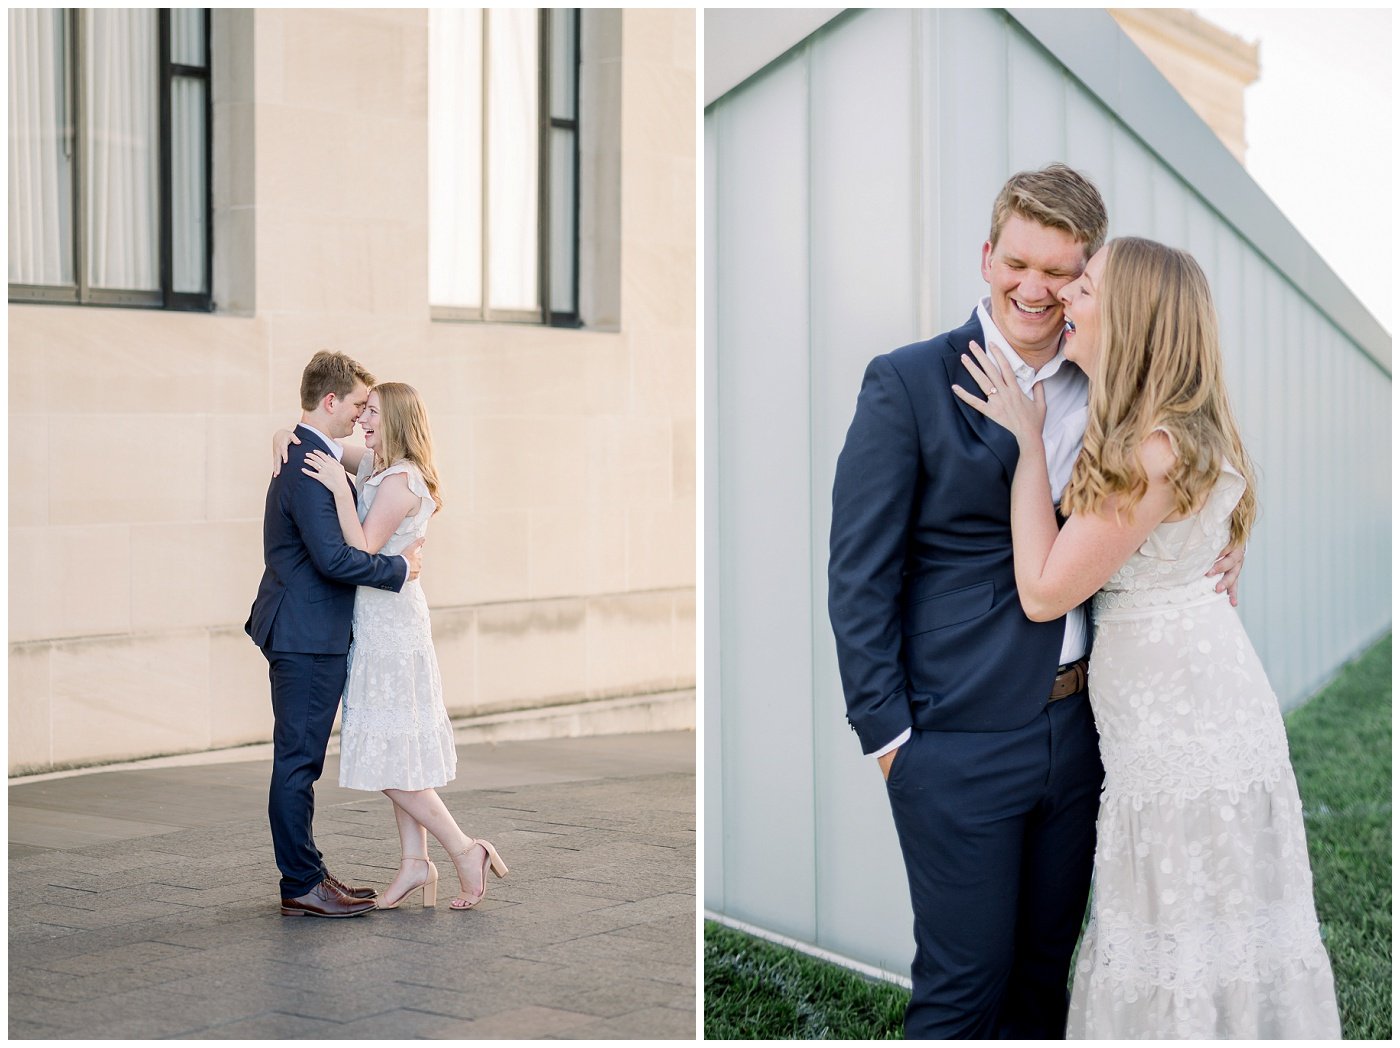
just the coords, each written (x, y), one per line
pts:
(1318, 133)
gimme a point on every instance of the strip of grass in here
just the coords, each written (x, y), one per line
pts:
(756, 990)
(1340, 745)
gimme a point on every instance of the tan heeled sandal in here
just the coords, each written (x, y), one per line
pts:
(428, 887)
(488, 856)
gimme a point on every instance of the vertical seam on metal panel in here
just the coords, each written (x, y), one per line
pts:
(1316, 507)
(808, 48)
(1006, 91)
(1111, 161)
(1281, 444)
(932, 79)
(1350, 624)
(923, 307)
(1287, 330)
(1152, 204)
(1333, 527)
(1305, 456)
(718, 596)
(934, 174)
(1064, 112)
(1321, 445)
(1066, 87)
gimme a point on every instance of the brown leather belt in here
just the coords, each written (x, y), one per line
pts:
(1070, 680)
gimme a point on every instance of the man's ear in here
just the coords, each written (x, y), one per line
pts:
(987, 261)
(328, 403)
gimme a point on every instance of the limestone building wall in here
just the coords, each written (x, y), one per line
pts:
(1210, 67)
(561, 571)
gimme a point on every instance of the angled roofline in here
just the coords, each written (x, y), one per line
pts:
(741, 41)
(1112, 68)
(1087, 42)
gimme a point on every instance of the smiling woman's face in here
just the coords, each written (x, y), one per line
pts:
(369, 421)
(1080, 299)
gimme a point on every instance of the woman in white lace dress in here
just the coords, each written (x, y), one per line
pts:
(1202, 921)
(395, 735)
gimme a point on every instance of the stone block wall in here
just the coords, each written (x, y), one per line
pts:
(562, 567)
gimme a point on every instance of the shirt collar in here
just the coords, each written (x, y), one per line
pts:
(1025, 374)
(334, 445)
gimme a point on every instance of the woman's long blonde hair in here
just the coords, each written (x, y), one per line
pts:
(1159, 366)
(404, 433)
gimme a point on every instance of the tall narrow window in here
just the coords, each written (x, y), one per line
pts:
(503, 182)
(563, 34)
(41, 149)
(109, 157)
(188, 105)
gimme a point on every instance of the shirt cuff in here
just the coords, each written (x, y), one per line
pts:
(896, 744)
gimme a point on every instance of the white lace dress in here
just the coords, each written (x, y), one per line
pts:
(1202, 923)
(394, 731)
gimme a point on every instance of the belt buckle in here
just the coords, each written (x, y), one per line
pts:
(1074, 675)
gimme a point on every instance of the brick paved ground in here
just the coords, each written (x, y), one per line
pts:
(143, 903)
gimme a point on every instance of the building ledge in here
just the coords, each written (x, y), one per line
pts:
(620, 715)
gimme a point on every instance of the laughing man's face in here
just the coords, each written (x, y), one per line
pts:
(347, 410)
(1026, 268)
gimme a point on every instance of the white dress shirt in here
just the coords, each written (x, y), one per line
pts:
(334, 445)
(1066, 414)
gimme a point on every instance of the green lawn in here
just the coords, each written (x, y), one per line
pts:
(754, 989)
(1340, 743)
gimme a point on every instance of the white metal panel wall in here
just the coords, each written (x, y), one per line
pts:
(762, 387)
(849, 188)
(713, 873)
(863, 268)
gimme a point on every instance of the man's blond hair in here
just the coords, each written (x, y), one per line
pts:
(330, 373)
(1056, 196)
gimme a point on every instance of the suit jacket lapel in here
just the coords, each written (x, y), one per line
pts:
(304, 434)
(320, 445)
(998, 438)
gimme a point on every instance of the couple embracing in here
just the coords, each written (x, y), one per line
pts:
(1027, 517)
(340, 612)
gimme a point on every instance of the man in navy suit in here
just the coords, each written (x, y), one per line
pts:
(979, 717)
(301, 621)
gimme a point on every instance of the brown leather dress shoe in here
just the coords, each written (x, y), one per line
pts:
(354, 893)
(326, 900)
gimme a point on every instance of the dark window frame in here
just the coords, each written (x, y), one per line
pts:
(166, 298)
(551, 123)
(541, 314)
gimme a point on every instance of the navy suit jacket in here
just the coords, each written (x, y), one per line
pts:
(307, 594)
(921, 582)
